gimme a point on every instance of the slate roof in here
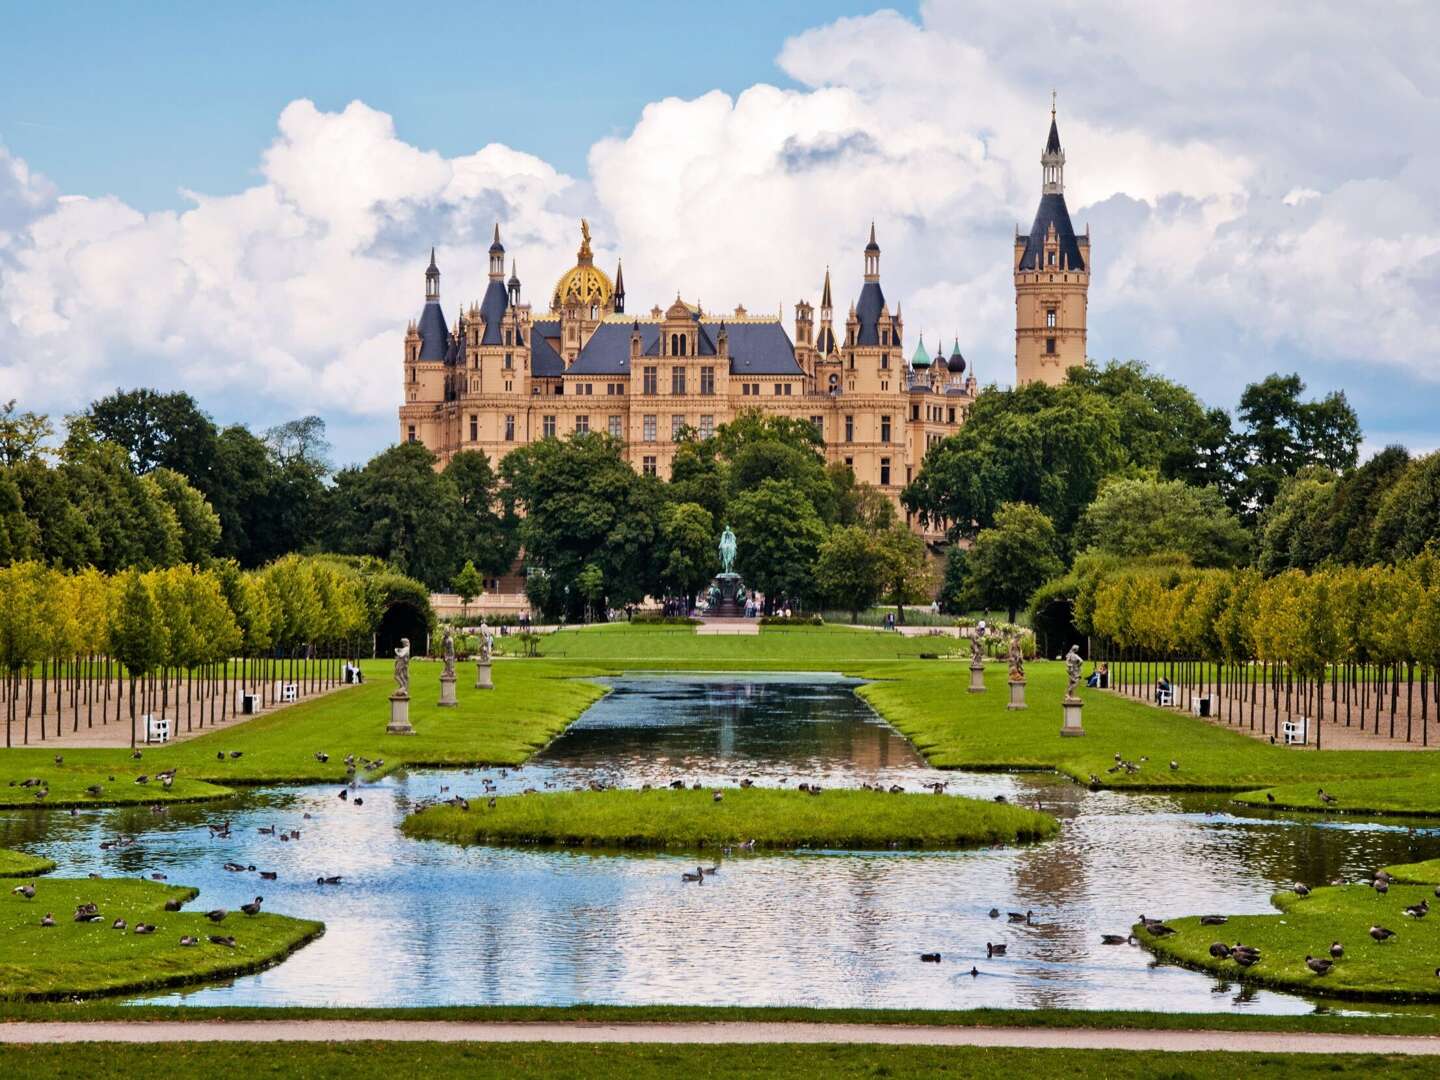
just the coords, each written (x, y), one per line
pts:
(867, 310)
(1052, 144)
(434, 334)
(1052, 211)
(755, 348)
(492, 310)
(544, 360)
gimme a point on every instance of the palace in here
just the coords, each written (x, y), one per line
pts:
(507, 375)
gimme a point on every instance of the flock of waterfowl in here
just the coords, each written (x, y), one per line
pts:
(88, 912)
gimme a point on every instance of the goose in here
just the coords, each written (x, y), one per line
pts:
(268, 875)
(321, 756)
(189, 939)
(994, 912)
(1114, 939)
(220, 755)
(344, 794)
(1418, 911)
(335, 880)
(118, 924)
(158, 877)
(135, 756)
(1220, 950)
(86, 915)
(142, 779)
(1245, 959)
(974, 971)
(929, 957)
(1325, 796)
(173, 905)
(1269, 796)
(1382, 886)
(235, 867)
(144, 928)
(1214, 920)
(1337, 950)
(1001, 798)
(1300, 889)
(266, 830)
(1159, 929)
(710, 870)
(59, 760)
(252, 908)
(748, 845)
(747, 782)
(94, 790)
(896, 789)
(27, 891)
(217, 915)
(1379, 933)
(48, 920)
(1017, 917)
(993, 949)
(217, 939)
(1174, 765)
(1319, 965)
(717, 796)
(357, 801)
(1381, 875)
(697, 876)
(235, 754)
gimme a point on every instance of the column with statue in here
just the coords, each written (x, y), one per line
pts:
(447, 674)
(400, 699)
(1072, 703)
(977, 659)
(727, 603)
(482, 658)
(1017, 672)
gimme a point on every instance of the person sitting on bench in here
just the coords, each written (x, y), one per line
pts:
(1099, 677)
(1163, 691)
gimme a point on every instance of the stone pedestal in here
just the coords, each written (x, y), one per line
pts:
(447, 692)
(728, 605)
(977, 678)
(1072, 726)
(482, 675)
(399, 715)
(1017, 695)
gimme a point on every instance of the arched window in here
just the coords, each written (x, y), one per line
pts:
(683, 347)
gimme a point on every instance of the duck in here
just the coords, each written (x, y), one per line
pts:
(1115, 939)
(118, 924)
(1325, 797)
(1016, 917)
(1418, 911)
(94, 790)
(1269, 796)
(1214, 920)
(1382, 875)
(357, 801)
(227, 941)
(333, 880)
(1380, 933)
(266, 830)
(1159, 929)
(235, 754)
(697, 876)
(189, 939)
(235, 867)
(321, 756)
(344, 794)
(974, 971)
(144, 928)
(930, 958)
(173, 905)
(1382, 886)
(994, 912)
(252, 908)
(993, 949)
(717, 796)
(710, 870)
(158, 877)
(217, 915)
(48, 920)
(27, 891)
(268, 875)
(1336, 950)
(1174, 765)
(1319, 965)
(1245, 959)
(1220, 950)
(1300, 889)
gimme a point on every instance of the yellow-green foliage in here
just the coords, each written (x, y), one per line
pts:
(773, 818)
(1401, 968)
(72, 959)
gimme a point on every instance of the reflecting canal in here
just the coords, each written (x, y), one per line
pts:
(427, 923)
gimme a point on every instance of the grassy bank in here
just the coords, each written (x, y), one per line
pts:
(1418, 873)
(75, 959)
(633, 1061)
(773, 644)
(1411, 796)
(23, 864)
(1400, 969)
(685, 819)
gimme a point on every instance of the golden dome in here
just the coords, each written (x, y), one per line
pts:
(588, 282)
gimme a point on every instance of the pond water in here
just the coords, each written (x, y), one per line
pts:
(428, 923)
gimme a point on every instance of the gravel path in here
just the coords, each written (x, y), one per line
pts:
(700, 1033)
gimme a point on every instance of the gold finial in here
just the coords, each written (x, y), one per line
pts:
(1052, 104)
(585, 254)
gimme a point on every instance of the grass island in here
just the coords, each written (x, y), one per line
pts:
(14, 864)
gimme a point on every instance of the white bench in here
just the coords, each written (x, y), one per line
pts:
(1294, 731)
(246, 703)
(1203, 706)
(1165, 698)
(157, 729)
(286, 692)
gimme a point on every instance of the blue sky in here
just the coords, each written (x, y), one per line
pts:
(239, 200)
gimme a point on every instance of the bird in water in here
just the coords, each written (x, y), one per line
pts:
(1016, 917)
(993, 949)
(1319, 965)
(335, 880)
(929, 957)
(268, 875)
(994, 912)
(697, 876)
(1380, 933)
(1115, 939)
(252, 908)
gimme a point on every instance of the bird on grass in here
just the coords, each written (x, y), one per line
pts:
(135, 756)
(27, 891)
(1325, 796)
(59, 760)
(1174, 765)
(1418, 911)
(1300, 889)
(118, 924)
(252, 908)
(1382, 886)
(144, 928)
(1269, 796)
(1319, 965)
(217, 939)
(173, 905)
(1380, 933)
(1214, 920)
(217, 915)
(94, 790)
(48, 920)
(717, 796)
(321, 756)
(1220, 950)
(189, 939)
(1337, 950)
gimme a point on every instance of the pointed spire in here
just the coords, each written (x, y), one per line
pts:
(1052, 161)
(514, 272)
(432, 261)
(495, 244)
(432, 279)
(825, 303)
(872, 245)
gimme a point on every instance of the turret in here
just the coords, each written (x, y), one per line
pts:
(872, 257)
(497, 257)
(432, 280)
(514, 284)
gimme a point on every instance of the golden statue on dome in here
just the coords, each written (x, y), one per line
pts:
(584, 283)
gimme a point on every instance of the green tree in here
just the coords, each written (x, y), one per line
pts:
(137, 633)
(1143, 515)
(697, 475)
(686, 551)
(1358, 497)
(469, 585)
(155, 430)
(851, 569)
(1281, 434)
(908, 579)
(488, 536)
(778, 537)
(1294, 530)
(1013, 558)
(590, 584)
(300, 443)
(953, 595)
(23, 435)
(1409, 514)
(199, 524)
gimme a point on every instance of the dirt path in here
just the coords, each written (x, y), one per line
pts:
(700, 1033)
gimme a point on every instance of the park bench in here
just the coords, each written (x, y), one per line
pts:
(1203, 706)
(157, 729)
(286, 691)
(1294, 731)
(1165, 698)
(247, 703)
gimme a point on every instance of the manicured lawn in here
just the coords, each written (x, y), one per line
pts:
(504, 726)
(771, 818)
(73, 959)
(954, 729)
(23, 864)
(1416, 796)
(805, 645)
(1402, 968)
(634, 1061)
(1416, 873)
